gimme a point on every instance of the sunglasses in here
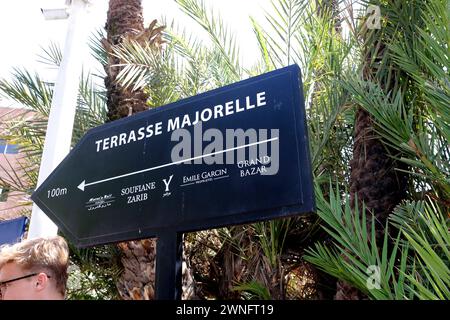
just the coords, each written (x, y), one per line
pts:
(3, 284)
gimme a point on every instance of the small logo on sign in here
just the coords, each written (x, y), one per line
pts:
(167, 183)
(100, 202)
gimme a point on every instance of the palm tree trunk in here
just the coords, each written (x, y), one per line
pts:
(124, 18)
(125, 21)
(325, 7)
(374, 182)
(374, 179)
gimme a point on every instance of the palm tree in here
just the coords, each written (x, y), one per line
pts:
(375, 179)
(125, 26)
(401, 99)
(125, 22)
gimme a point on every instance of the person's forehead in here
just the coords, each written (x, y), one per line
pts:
(10, 269)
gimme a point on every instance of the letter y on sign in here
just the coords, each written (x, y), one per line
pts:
(167, 183)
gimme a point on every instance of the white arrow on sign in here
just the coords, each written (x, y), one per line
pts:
(83, 184)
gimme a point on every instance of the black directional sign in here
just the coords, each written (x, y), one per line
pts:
(233, 155)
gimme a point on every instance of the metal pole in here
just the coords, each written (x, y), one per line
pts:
(169, 252)
(62, 113)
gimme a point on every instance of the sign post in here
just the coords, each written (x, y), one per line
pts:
(169, 252)
(234, 155)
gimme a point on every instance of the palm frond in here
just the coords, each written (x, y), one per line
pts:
(226, 58)
(272, 235)
(425, 227)
(91, 107)
(50, 56)
(254, 290)
(194, 58)
(417, 139)
(263, 46)
(97, 49)
(354, 253)
(285, 22)
(28, 90)
(138, 64)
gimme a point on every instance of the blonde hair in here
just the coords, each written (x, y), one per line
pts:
(37, 255)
